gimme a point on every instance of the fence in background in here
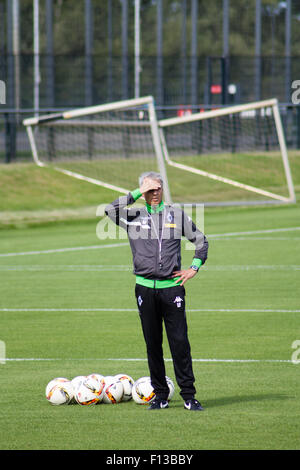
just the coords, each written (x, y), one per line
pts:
(14, 144)
(68, 81)
(190, 57)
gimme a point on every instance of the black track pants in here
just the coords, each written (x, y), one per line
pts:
(168, 305)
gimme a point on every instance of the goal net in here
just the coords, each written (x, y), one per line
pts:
(229, 156)
(109, 145)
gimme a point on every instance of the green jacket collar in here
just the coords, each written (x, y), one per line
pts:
(156, 209)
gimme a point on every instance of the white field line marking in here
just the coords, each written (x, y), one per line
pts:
(95, 247)
(63, 250)
(253, 267)
(137, 359)
(250, 239)
(228, 310)
(120, 267)
(85, 267)
(254, 232)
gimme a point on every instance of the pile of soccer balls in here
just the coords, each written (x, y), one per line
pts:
(95, 388)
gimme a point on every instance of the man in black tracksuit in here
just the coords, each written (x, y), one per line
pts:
(154, 233)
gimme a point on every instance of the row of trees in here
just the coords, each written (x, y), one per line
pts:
(68, 25)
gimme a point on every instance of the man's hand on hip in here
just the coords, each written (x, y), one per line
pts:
(184, 275)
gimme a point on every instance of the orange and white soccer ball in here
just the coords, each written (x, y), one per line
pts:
(142, 391)
(113, 390)
(59, 391)
(88, 391)
(100, 379)
(127, 383)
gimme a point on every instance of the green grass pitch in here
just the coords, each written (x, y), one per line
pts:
(72, 312)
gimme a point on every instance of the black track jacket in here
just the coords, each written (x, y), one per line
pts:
(155, 238)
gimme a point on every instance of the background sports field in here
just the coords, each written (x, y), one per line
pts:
(67, 308)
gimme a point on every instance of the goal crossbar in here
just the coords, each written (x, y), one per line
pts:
(217, 112)
(101, 108)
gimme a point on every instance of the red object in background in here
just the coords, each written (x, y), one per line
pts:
(183, 112)
(216, 89)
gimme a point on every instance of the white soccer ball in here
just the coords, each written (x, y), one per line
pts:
(142, 391)
(113, 390)
(56, 381)
(77, 381)
(100, 379)
(108, 379)
(127, 383)
(59, 392)
(88, 391)
(171, 387)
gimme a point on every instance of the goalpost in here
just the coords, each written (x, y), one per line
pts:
(109, 145)
(229, 156)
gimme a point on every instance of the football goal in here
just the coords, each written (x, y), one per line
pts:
(228, 156)
(109, 145)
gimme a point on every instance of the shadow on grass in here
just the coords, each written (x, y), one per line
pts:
(225, 401)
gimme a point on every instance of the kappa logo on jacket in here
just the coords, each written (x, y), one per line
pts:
(178, 301)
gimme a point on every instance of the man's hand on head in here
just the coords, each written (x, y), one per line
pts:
(149, 185)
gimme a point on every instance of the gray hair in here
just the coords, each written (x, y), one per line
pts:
(151, 175)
